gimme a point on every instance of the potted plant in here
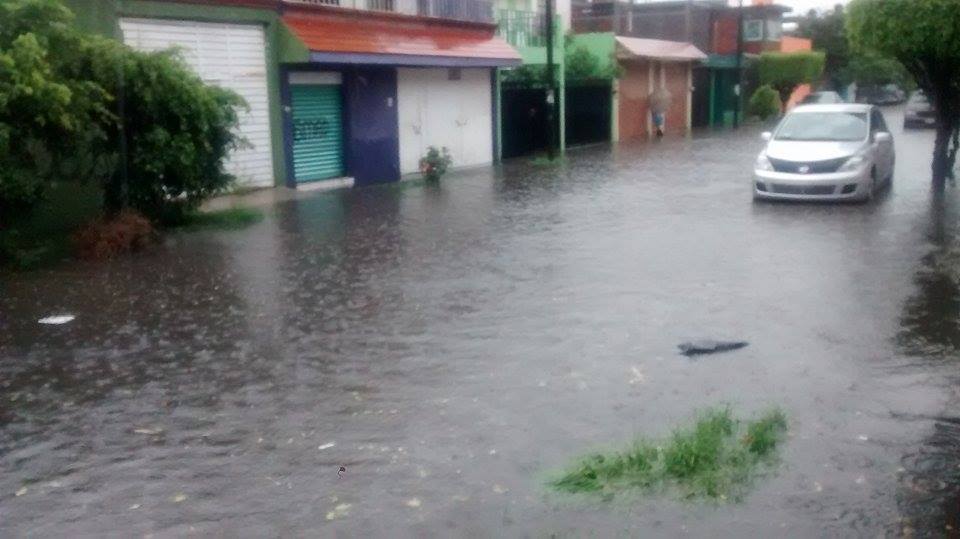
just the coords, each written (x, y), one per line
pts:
(435, 163)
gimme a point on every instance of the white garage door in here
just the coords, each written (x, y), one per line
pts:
(232, 56)
(437, 107)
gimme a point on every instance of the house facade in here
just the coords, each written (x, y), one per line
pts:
(338, 90)
(523, 94)
(645, 66)
(709, 25)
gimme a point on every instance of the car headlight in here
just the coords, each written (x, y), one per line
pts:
(854, 163)
(763, 163)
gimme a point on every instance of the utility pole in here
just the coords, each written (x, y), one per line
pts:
(739, 88)
(551, 84)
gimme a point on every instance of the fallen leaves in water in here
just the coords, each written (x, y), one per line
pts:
(340, 511)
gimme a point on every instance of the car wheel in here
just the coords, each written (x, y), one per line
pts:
(868, 196)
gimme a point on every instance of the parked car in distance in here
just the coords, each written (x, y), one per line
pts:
(822, 98)
(825, 152)
(919, 112)
(889, 94)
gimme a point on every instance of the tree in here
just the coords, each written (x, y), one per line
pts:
(49, 119)
(828, 34)
(75, 106)
(871, 69)
(924, 36)
(784, 71)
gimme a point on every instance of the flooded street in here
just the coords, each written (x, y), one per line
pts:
(452, 347)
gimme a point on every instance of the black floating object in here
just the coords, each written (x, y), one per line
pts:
(699, 348)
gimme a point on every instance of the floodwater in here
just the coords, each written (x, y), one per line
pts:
(451, 347)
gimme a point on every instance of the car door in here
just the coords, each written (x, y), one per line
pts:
(884, 150)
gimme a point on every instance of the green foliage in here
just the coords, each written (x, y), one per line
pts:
(924, 36)
(228, 219)
(718, 457)
(73, 105)
(435, 164)
(871, 69)
(178, 132)
(828, 33)
(582, 65)
(49, 118)
(764, 103)
(784, 71)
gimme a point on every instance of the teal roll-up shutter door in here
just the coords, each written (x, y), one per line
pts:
(317, 131)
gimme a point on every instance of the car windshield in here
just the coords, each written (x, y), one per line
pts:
(824, 126)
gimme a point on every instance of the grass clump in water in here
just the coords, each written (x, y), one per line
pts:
(228, 219)
(718, 457)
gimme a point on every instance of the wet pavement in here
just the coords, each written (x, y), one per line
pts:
(453, 346)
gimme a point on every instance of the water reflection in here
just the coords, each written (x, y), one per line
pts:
(929, 493)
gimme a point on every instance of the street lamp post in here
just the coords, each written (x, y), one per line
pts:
(551, 84)
(739, 88)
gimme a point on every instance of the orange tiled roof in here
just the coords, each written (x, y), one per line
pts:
(352, 34)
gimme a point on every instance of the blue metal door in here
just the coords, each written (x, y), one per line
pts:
(373, 153)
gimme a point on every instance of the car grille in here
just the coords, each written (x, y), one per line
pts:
(814, 167)
(784, 189)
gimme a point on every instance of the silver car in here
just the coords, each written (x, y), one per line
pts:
(825, 152)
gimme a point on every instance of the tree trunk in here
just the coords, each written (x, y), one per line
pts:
(944, 157)
(785, 93)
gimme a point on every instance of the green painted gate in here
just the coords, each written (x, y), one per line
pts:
(317, 131)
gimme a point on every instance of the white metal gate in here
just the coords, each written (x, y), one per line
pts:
(232, 56)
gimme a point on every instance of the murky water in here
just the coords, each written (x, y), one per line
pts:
(453, 346)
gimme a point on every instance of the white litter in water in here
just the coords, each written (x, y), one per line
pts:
(638, 376)
(57, 319)
(326, 446)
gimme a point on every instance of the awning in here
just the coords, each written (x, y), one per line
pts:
(351, 38)
(658, 49)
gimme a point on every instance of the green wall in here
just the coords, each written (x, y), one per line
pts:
(102, 16)
(603, 45)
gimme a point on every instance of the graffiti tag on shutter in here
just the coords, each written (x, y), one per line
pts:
(307, 130)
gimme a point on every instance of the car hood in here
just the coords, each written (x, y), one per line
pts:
(794, 150)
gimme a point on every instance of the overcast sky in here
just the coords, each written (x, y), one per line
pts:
(802, 6)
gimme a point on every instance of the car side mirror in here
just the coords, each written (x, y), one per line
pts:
(766, 136)
(882, 136)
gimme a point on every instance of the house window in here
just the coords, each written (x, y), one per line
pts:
(753, 31)
(774, 30)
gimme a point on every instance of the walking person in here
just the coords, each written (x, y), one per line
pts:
(659, 105)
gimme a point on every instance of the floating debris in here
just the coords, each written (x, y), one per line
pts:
(339, 511)
(177, 498)
(326, 446)
(638, 376)
(499, 489)
(149, 432)
(20, 492)
(57, 319)
(697, 348)
(341, 470)
(413, 502)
